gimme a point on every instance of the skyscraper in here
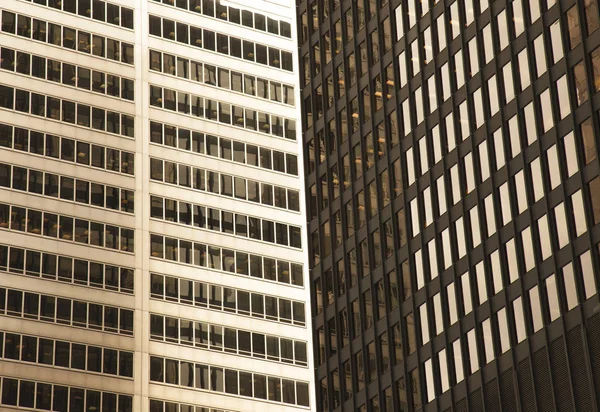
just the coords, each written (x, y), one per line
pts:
(151, 208)
(453, 201)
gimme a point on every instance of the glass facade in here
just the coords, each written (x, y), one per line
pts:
(453, 199)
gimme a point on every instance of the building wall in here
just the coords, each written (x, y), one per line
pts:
(456, 267)
(142, 260)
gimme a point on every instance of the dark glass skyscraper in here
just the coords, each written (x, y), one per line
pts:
(453, 201)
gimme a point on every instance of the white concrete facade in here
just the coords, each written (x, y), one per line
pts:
(288, 373)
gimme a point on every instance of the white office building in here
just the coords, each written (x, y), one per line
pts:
(152, 222)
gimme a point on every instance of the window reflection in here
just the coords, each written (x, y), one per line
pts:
(498, 149)
(488, 43)
(536, 177)
(544, 236)
(433, 267)
(454, 19)
(496, 271)
(511, 257)
(561, 225)
(473, 357)
(424, 323)
(587, 271)
(441, 190)
(546, 110)
(524, 69)
(446, 248)
(553, 162)
(503, 330)
(578, 213)
(489, 214)
(429, 381)
(528, 253)
(458, 365)
(588, 140)
(536, 309)
(427, 206)
(441, 30)
(515, 136)
(556, 39)
(553, 302)
(414, 212)
(509, 89)
(594, 187)
(564, 103)
(570, 154)
(453, 316)
(484, 166)
(444, 374)
(519, 319)
(570, 286)
(580, 78)
(438, 313)
(505, 204)
(455, 181)
(481, 282)
(488, 340)
(518, 19)
(475, 232)
(540, 54)
(521, 191)
(460, 237)
(466, 290)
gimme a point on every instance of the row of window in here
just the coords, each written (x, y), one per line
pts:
(549, 232)
(67, 37)
(164, 406)
(231, 261)
(524, 79)
(66, 228)
(98, 10)
(66, 73)
(222, 112)
(66, 269)
(222, 43)
(230, 381)
(320, 12)
(66, 188)
(63, 311)
(556, 295)
(578, 285)
(226, 185)
(57, 398)
(339, 37)
(341, 173)
(542, 54)
(216, 297)
(567, 284)
(365, 365)
(66, 149)
(227, 149)
(66, 354)
(219, 338)
(65, 111)
(214, 8)
(221, 77)
(476, 167)
(337, 229)
(504, 144)
(507, 327)
(375, 143)
(224, 221)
